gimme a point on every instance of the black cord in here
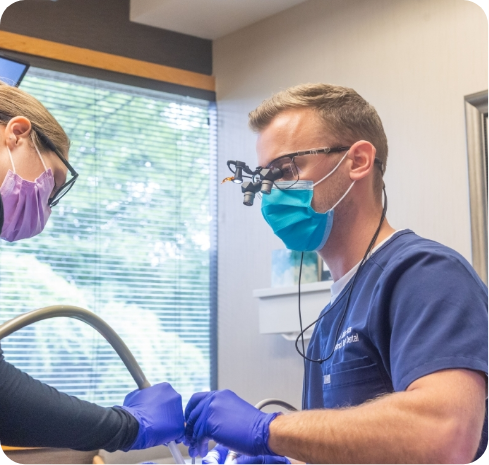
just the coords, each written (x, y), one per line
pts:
(243, 175)
(345, 309)
(302, 334)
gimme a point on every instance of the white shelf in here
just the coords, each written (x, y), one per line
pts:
(305, 288)
(278, 307)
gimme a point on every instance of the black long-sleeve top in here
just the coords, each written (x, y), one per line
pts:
(33, 414)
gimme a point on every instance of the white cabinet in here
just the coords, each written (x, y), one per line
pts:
(278, 308)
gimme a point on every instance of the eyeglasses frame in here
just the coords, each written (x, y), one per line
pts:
(324, 150)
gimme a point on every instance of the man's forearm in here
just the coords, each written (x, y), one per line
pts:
(354, 435)
(404, 427)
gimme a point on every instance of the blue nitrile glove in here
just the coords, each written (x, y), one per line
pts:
(262, 459)
(219, 454)
(228, 420)
(216, 456)
(159, 412)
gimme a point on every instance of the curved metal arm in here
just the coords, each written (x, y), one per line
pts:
(91, 319)
(280, 403)
(69, 311)
(243, 166)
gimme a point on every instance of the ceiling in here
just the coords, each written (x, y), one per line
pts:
(209, 19)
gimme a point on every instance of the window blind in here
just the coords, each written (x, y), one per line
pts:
(132, 242)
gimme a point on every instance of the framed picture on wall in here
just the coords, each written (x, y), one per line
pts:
(476, 127)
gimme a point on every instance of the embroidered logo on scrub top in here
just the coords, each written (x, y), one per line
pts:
(346, 338)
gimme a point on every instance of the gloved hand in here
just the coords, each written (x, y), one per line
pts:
(216, 455)
(263, 459)
(219, 454)
(159, 412)
(228, 420)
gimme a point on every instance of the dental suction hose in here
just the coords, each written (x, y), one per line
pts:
(232, 455)
(55, 311)
(280, 403)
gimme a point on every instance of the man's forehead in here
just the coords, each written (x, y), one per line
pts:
(291, 131)
(296, 119)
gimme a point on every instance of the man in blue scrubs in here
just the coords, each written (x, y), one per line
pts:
(396, 368)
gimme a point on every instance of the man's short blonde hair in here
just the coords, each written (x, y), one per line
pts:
(348, 117)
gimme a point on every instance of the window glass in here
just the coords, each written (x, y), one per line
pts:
(131, 242)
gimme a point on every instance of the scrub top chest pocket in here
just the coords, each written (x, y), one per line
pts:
(352, 382)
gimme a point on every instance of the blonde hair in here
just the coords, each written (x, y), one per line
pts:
(16, 102)
(347, 115)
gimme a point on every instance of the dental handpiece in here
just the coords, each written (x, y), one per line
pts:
(69, 311)
(232, 456)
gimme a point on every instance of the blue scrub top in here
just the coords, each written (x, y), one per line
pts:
(417, 307)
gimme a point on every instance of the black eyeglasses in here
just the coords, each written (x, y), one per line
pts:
(292, 164)
(63, 190)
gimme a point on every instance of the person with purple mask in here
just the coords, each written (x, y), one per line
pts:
(34, 169)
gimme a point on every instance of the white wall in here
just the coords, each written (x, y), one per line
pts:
(414, 60)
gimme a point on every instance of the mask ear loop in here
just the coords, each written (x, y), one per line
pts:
(39, 153)
(321, 180)
(333, 170)
(329, 174)
(342, 197)
(11, 159)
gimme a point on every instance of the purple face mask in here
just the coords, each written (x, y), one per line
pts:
(25, 203)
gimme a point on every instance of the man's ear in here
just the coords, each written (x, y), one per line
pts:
(18, 130)
(362, 155)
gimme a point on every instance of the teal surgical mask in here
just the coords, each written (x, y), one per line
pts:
(288, 211)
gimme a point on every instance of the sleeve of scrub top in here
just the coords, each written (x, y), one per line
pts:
(33, 414)
(437, 313)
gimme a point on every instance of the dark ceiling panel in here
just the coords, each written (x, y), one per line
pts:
(104, 25)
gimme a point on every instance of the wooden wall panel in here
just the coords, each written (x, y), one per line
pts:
(105, 61)
(104, 26)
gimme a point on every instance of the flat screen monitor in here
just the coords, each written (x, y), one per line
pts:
(12, 71)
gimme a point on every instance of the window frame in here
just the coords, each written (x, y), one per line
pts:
(169, 88)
